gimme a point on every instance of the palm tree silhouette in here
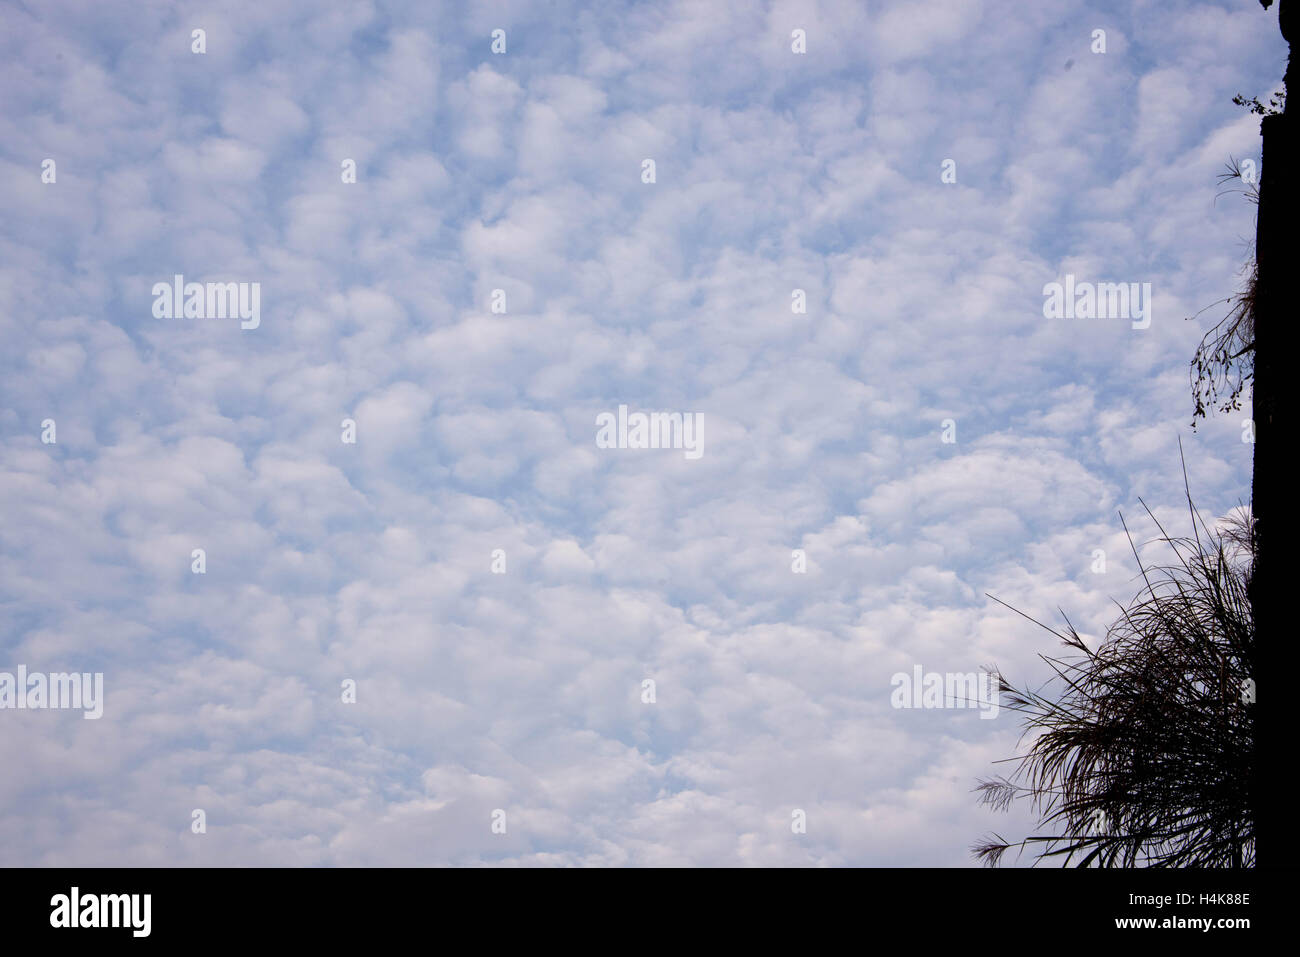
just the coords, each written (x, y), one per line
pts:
(1145, 755)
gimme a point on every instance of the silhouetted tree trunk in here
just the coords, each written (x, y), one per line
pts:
(1274, 413)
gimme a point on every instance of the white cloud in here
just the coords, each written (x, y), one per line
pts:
(475, 431)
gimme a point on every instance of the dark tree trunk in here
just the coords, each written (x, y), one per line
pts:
(1275, 420)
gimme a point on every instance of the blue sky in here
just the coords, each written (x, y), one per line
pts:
(522, 172)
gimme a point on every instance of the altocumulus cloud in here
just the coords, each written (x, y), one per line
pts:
(495, 586)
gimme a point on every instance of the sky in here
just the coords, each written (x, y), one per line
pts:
(430, 645)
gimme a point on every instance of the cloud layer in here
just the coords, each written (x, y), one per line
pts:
(522, 172)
